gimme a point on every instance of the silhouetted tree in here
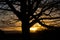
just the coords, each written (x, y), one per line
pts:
(28, 12)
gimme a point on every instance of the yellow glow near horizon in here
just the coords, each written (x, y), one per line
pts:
(36, 27)
(33, 29)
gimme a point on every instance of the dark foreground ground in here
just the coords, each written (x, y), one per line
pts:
(43, 35)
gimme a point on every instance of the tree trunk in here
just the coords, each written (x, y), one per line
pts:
(25, 20)
(25, 30)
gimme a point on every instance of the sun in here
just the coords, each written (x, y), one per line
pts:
(37, 27)
(33, 29)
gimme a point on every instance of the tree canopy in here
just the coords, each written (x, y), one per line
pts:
(45, 12)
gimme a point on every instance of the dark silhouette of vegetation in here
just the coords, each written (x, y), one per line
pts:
(27, 10)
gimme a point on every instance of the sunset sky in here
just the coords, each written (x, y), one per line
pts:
(10, 22)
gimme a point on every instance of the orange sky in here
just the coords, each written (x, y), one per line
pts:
(33, 29)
